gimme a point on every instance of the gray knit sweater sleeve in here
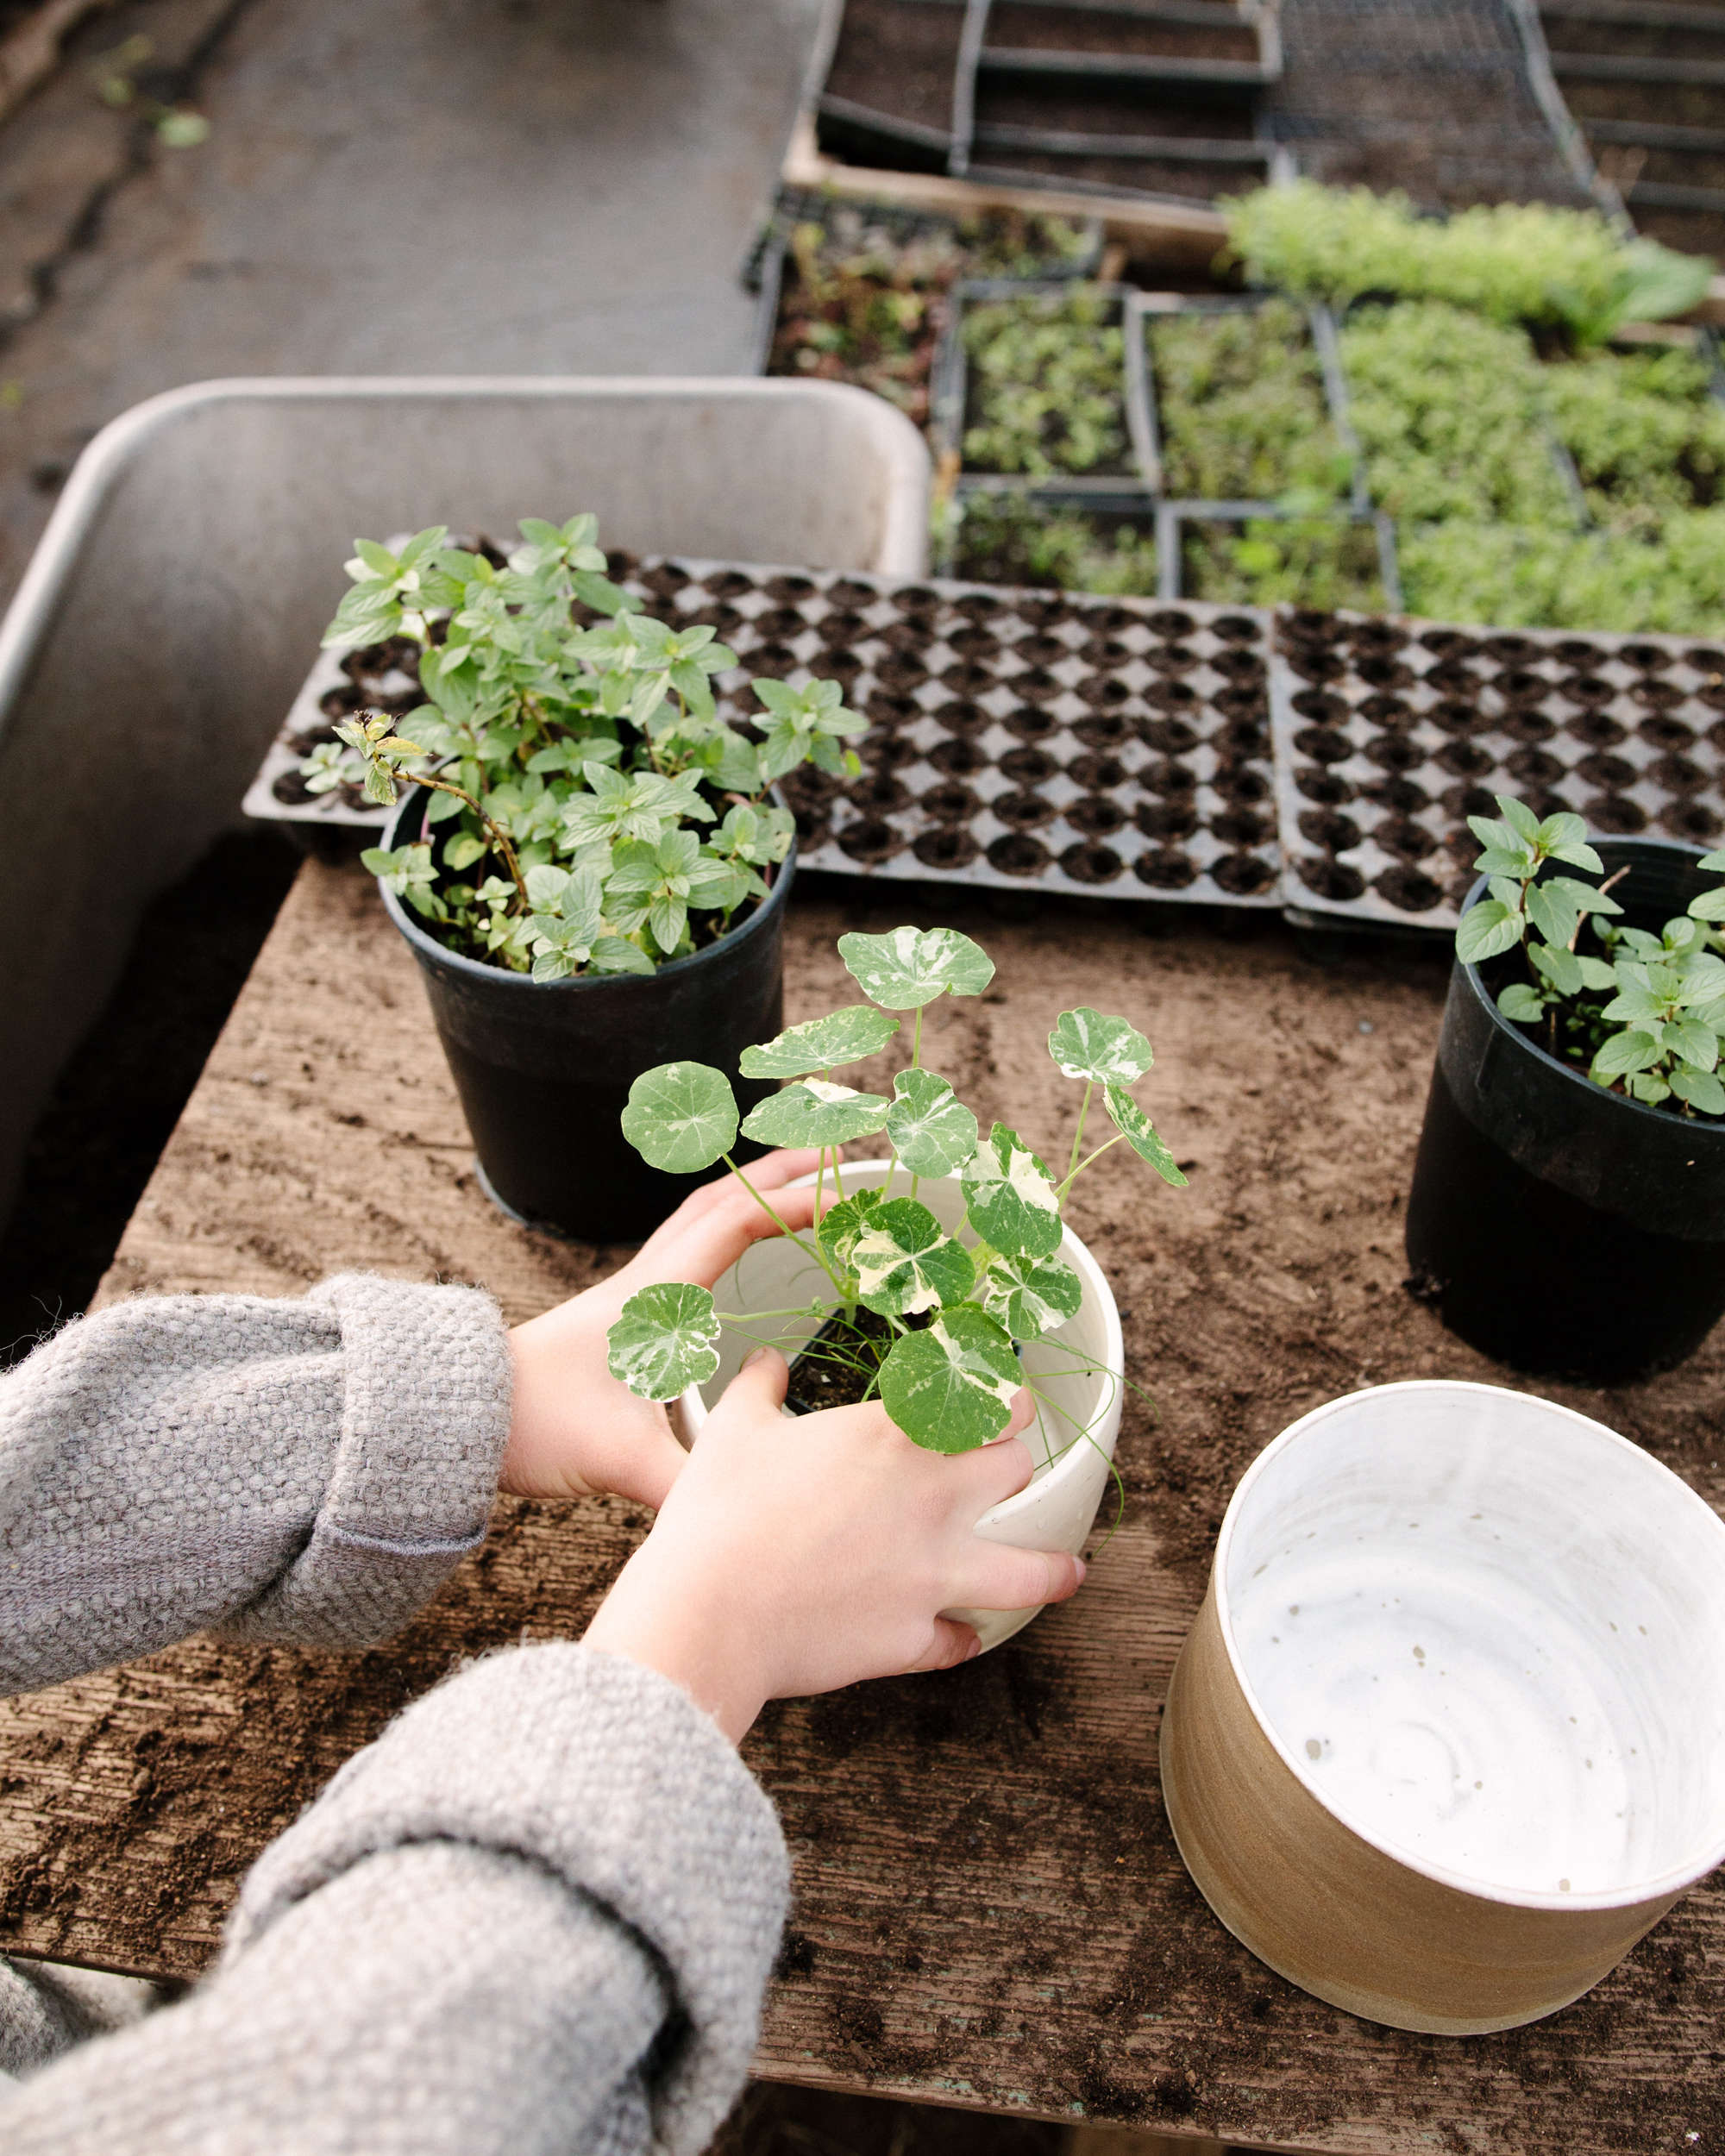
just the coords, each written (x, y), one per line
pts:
(535, 1919)
(306, 1470)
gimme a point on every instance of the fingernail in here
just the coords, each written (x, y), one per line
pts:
(749, 1361)
(1083, 1570)
(973, 1650)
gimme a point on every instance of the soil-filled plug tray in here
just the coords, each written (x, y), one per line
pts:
(1030, 741)
(1389, 734)
(855, 292)
(1031, 384)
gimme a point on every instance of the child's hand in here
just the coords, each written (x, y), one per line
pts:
(575, 1431)
(798, 1556)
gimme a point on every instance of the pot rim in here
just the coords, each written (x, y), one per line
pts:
(1077, 1255)
(1707, 1126)
(426, 947)
(1665, 1885)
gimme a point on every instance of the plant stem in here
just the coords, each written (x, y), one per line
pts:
(499, 838)
(802, 1242)
(1083, 1164)
(1078, 1135)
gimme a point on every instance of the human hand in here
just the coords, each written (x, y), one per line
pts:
(796, 1556)
(575, 1431)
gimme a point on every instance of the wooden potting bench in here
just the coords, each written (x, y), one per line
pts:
(990, 1910)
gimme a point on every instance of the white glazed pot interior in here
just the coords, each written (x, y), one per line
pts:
(1488, 1634)
(1074, 1371)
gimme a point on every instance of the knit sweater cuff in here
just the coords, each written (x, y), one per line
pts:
(609, 1778)
(426, 1390)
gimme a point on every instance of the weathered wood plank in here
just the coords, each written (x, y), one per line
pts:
(990, 1910)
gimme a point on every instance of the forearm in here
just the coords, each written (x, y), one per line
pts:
(539, 1913)
(309, 1470)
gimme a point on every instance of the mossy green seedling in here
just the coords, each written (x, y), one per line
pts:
(953, 1308)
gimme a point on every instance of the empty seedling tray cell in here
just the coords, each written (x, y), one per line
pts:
(1030, 386)
(1389, 734)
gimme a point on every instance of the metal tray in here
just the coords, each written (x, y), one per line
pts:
(1389, 733)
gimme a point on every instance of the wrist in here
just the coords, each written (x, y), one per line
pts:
(662, 1625)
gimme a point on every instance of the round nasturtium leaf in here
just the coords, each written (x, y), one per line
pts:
(1087, 1044)
(1029, 1296)
(909, 967)
(906, 1263)
(841, 1224)
(1135, 1127)
(842, 1037)
(681, 1117)
(933, 1133)
(666, 1339)
(1011, 1197)
(952, 1388)
(816, 1112)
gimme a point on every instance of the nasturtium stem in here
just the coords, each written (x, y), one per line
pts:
(1078, 1135)
(802, 1242)
(1083, 1164)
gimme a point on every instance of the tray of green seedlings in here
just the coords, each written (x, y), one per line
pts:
(1049, 540)
(1029, 386)
(856, 291)
(1239, 409)
(1388, 734)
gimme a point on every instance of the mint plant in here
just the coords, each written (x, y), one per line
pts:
(591, 811)
(1047, 383)
(928, 1321)
(1644, 1013)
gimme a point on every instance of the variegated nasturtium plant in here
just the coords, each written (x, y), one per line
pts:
(928, 1321)
(1643, 1014)
(591, 811)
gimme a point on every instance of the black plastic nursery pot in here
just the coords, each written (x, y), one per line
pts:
(543, 1068)
(1564, 1229)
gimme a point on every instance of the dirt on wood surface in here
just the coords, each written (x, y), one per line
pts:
(990, 1910)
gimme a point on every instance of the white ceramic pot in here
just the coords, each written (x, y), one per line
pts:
(1448, 1735)
(1076, 1369)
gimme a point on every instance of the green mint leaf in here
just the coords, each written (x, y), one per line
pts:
(1633, 1050)
(1701, 1088)
(1487, 930)
(1520, 818)
(1521, 1005)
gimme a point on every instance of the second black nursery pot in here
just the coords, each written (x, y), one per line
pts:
(543, 1068)
(1564, 1229)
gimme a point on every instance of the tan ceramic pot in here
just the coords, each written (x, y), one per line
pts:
(1448, 1735)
